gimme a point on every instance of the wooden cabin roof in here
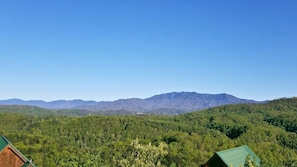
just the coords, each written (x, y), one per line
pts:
(10, 156)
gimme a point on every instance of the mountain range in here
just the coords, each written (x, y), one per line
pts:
(168, 103)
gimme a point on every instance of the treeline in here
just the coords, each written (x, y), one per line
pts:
(183, 140)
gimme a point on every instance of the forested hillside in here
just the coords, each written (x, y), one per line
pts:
(184, 140)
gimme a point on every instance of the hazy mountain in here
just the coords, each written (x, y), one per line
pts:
(58, 104)
(169, 103)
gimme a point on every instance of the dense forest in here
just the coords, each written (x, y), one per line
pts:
(50, 139)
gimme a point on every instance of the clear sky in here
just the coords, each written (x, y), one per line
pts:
(108, 50)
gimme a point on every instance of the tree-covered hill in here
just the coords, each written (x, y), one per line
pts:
(184, 140)
(42, 112)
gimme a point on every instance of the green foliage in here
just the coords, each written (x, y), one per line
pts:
(285, 121)
(231, 131)
(138, 155)
(288, 140)
(184, 140)
(249, 162)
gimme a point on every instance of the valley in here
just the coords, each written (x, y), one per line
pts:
(187, 139)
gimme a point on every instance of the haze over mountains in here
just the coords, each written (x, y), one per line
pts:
(169, 103)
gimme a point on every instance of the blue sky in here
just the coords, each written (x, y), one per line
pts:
(108, 50)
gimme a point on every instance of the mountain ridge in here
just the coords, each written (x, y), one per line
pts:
(174, 103)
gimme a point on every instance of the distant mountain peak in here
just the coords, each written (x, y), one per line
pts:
(173, 102)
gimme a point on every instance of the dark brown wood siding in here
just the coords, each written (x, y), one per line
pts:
(215, 161)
